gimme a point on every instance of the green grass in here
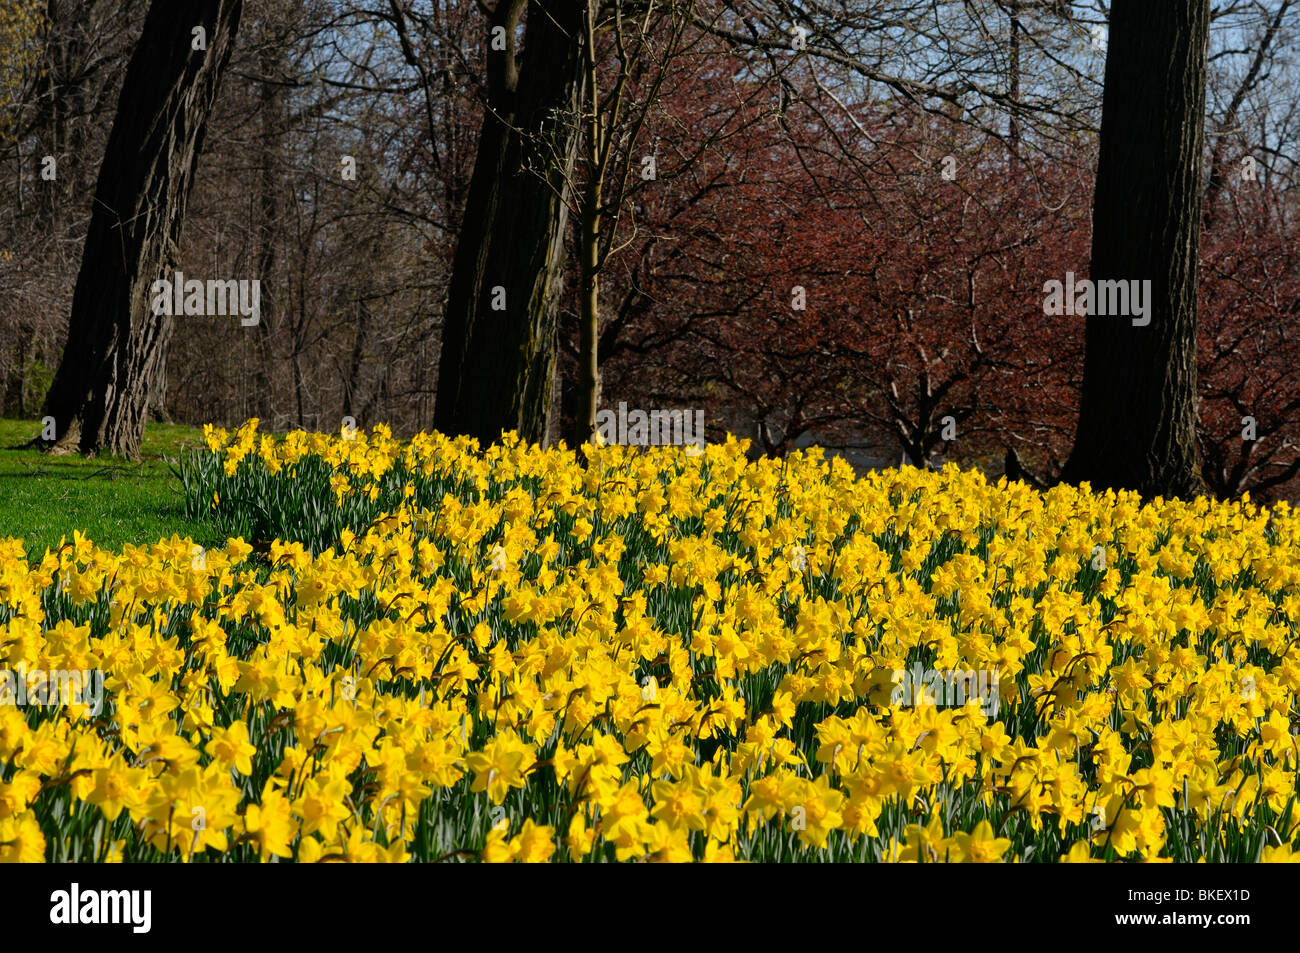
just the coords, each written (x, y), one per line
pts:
(111, 500)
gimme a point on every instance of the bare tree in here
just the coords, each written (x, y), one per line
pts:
(498, 346)
(1137, 424)
(116, 344)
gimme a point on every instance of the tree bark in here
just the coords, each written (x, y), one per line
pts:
(270, 184)
(498, 348)
(588, 240)
(116, 345)
(157, 410)
(1137, 423)
(588, 316)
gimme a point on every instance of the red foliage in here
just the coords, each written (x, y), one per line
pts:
(924, 293)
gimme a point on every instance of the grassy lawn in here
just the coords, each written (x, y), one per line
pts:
(111, 500)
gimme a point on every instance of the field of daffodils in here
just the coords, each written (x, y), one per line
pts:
(430, 651)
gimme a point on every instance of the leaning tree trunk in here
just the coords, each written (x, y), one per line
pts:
(498, 348)
(116, 345)
(1137, 423)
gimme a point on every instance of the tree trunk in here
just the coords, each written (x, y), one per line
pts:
(589, 317)
(100, 395)
(589, 225)
(498, 348)
(269, 185)
(1137, 423)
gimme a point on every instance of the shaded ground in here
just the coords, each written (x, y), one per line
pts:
(111, 500)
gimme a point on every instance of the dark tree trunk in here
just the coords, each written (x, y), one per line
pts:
(116, 345)
(496, 367)
(1137, 423)
(269, 185)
